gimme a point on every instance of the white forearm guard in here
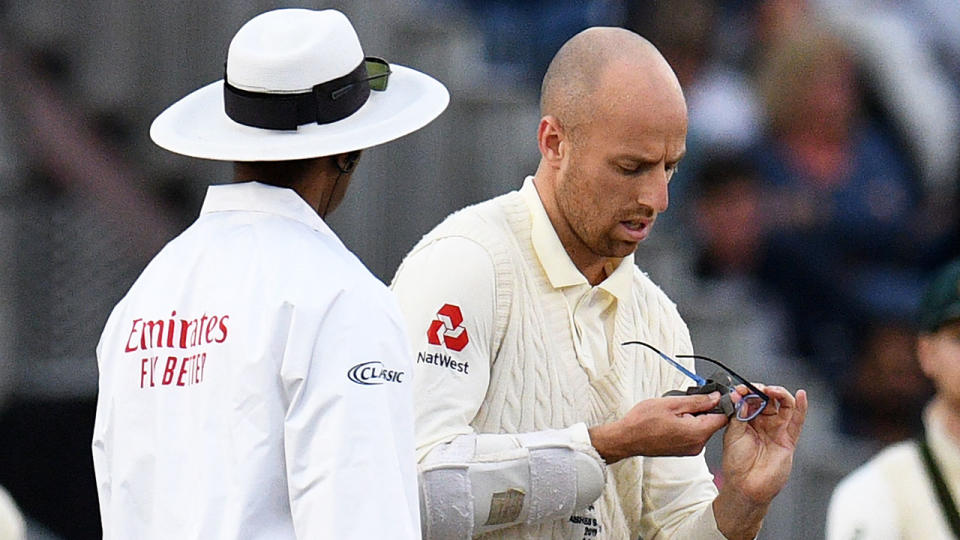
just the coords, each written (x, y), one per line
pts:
(478, 483)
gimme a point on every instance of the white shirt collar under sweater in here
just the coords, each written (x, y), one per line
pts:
(557, 264)
(591, 309)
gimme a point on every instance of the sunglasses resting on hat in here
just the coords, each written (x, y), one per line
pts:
(325, 103)
(297, 85)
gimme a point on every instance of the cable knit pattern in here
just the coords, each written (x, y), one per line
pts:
(536, 381)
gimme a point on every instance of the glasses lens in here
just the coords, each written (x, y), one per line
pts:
(378, 73)
(749, 407)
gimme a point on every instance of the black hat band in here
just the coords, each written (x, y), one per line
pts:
(325, 103)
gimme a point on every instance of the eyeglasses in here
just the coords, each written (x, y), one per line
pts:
(747, 408)
(378, 75)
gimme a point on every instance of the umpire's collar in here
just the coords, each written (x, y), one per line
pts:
(257, 197)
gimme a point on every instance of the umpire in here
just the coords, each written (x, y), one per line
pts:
(255, 380)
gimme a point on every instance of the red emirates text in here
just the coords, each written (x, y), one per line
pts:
(175, 333)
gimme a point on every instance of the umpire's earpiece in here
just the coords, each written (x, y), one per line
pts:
(345, 163)
(349, 162)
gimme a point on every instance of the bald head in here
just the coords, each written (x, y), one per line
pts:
(612, 130)
(586, 74)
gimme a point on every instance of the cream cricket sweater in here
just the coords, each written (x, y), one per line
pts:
(537, 383)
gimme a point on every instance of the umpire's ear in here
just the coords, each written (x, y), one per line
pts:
(347, 162)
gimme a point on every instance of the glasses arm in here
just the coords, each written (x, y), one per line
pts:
(700, 380)
(746, 383)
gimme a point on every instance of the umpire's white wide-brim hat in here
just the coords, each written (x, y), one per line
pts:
(296, 87)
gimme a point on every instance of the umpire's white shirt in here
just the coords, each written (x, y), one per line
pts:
(255, 383)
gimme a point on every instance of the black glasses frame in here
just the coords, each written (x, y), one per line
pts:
(722, 366)
(380, 69)
(700, 380)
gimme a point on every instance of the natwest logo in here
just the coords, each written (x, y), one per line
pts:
(448, 326)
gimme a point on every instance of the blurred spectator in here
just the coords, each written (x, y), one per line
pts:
(727, 221)
(842, 248)
(908, 50)
(884, 390)
(777, 21)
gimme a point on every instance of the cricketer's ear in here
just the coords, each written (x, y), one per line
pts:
(552, 141)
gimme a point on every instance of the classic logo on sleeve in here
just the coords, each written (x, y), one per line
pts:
(448, 328)
(373, 373)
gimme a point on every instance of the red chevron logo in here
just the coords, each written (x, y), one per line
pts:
(448, 328)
